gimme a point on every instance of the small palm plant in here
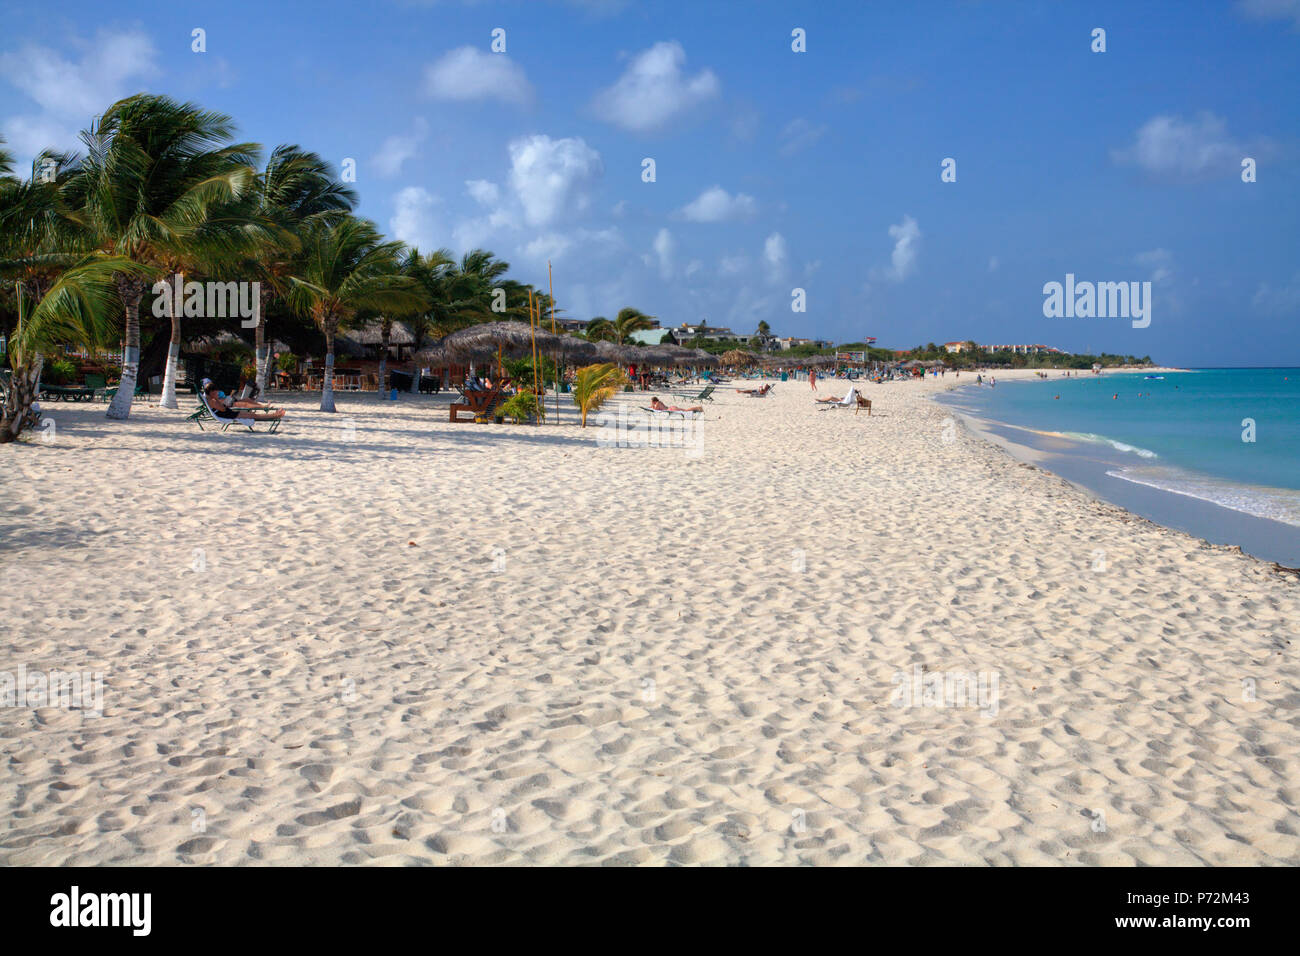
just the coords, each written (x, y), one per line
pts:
(593, 385)
(521, 407)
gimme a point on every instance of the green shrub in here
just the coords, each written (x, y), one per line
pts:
(59, 372)
(521, 407)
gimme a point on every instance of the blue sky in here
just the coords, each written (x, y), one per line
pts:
(775, 170)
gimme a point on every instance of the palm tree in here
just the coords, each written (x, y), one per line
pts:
(593, 385)
(40, 235)
(78, 307)
(630, 320)
(600, 329)
(433, 272)
(346, 268)
(295, 187)
(154, 174)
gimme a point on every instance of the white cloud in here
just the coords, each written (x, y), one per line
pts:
(1279, 301)
(774, 256)
(483, 192)
(732, 265)
(664, 249)
(468, 73)
(1172, 147)
(71, 92)
(799, 134)
(907, 245)
(654, 89)
(550, 176)
(475, 233)
(692, 267)
(1271, 10)
(398, 148)
(717, 205)
(551, 246)
(1160, 262)
(412, 220)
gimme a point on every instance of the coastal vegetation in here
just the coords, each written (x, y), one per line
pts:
(164, 190)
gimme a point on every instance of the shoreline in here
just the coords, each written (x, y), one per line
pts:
(1262, 539)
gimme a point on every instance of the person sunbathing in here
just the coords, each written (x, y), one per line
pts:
(659, 406)
(756, 392)
(235, 402)
(226, 411)
(831, 399)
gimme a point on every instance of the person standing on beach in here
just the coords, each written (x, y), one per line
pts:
(812, 378)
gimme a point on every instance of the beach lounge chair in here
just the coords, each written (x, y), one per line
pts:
(667, 412)
(851, 399)
(205, 414)
(480, 403)
(73, 393)
(706, 394)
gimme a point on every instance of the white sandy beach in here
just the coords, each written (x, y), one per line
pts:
(670, 659)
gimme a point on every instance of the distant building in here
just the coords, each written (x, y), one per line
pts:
(1025, 349)
(710, 333)
(565, 325)
(954, 347)
(791, 341)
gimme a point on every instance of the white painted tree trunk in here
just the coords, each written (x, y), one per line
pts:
(415, 381)
(168, 399)
(169, 376)
(131, 291)
(327, 386)
(262, 348)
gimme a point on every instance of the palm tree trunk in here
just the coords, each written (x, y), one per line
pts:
(131, 291)
(383, 362)
(327, 386)
(263, 350)
(173, 359)
(22, 392)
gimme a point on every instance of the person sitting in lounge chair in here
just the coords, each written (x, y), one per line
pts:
(850, 397)
(224, 410)
(756, 392)
(659, 406)
(233, 402)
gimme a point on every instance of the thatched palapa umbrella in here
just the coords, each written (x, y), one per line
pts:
(738, 358)
(706, 359)
(499, 338)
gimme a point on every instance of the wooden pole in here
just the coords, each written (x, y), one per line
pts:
(550, 285)
(532, 328)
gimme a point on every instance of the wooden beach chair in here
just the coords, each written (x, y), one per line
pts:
(478, 403)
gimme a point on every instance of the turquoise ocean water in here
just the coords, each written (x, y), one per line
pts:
(1181, 434)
